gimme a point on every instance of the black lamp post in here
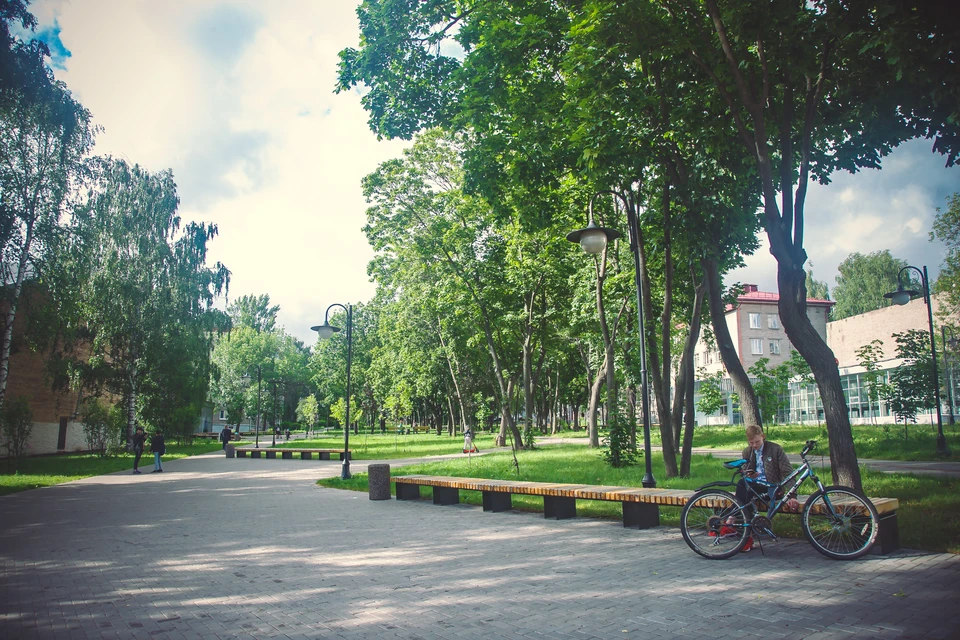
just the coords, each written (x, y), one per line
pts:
(901, 297)
(274, 382)
(593, 239)
(257, 425)
(952, 343)
(325, 331)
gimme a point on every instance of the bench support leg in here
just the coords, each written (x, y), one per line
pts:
(345, 456)
(446, 495)
(255, 454)
(496, 502)
(286, 455)
(408, 491)
(324, 456)
(559, 508)
(271, 454)
(638, 515)
(888, 537)
(241, 453)
(306, 455)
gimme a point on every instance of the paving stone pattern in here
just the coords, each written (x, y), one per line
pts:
(250, 549)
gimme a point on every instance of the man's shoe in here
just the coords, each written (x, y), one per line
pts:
(155, 470)
(160, 470)
(136, 471)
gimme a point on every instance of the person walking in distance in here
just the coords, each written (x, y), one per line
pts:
(158, 448)
(225, 436)
(139, 441)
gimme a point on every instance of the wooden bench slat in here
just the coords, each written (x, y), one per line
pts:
(659, 496)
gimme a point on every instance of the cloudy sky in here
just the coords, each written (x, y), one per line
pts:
(237, 98)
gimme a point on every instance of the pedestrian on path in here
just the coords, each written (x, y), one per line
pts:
(468, 446)
(158, 447)
(139, 441)
(225, 436)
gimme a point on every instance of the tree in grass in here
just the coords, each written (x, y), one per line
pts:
(911, 384)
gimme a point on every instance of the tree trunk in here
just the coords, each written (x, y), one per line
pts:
(689, 415)
(823, 363)
(593, 408)
(12, 313)
(728, 353)
(686, 362)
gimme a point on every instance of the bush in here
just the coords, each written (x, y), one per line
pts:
(97, 425)
(617, 449)
(16, 420)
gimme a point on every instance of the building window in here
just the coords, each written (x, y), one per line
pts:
(756, 346)
(773, 321)
(708, 358)
(775, 347)
(223, 414)
(754, 320)
(696, 360)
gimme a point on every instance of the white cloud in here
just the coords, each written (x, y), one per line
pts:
(237, 98)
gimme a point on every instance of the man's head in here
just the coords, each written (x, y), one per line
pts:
(755, 437)
(139, 429)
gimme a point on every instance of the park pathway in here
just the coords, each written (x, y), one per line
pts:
(252, 549)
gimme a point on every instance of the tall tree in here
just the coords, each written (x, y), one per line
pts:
(816, 289)
(45, 136)
(145, 273)
(946, 229)
(862, 281)
(254, 312)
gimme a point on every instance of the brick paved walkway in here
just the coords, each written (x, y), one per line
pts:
(217, 548)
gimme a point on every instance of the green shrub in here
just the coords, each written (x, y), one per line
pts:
(16, 420)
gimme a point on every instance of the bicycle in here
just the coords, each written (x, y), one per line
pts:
(838, 522)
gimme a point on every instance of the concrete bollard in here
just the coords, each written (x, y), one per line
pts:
(378, 480)
(231, 451)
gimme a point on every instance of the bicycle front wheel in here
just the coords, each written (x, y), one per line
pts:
(713, 524)
(840, 523)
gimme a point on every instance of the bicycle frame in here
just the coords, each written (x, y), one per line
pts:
(774, 505)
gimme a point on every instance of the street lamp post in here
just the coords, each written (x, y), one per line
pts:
(275, 382)
(901, 297)
(256, 427)
(594, 239)
(326, 331)
(952, 343)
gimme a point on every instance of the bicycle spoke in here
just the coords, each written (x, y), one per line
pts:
(840, 524)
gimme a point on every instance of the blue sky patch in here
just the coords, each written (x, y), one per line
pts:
(50, 36)
(223, 33)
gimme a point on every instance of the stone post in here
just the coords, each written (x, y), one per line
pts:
(231, 451)
(378, 481)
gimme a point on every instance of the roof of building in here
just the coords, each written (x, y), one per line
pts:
(751, 294)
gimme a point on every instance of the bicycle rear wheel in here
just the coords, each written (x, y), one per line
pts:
(713, 524)
(839, 523)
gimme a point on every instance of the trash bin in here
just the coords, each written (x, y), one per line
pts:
(378, 481)
(231, 451)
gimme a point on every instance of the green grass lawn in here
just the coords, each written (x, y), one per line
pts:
(880, 442)
(929, 514)
(44, 471)
(366, 446)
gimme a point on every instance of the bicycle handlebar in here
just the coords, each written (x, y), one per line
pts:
(808, 447)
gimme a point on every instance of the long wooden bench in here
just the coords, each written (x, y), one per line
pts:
(641, 506)
(286, 453)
